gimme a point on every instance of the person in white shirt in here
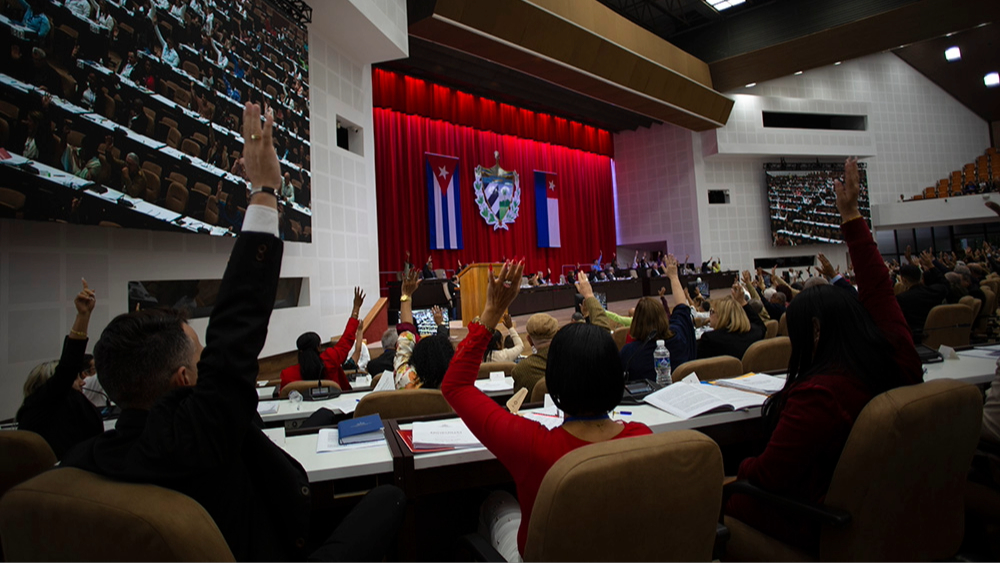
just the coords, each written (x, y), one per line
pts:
(80, 8)
(495, 352)
(169, 53)
(131, 62)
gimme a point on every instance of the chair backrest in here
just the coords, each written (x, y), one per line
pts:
(152, 186)
(719, 367)
(902, 475)
(69, 514)
(665, 489)
(772, 328)
(302, 386)
(191, 148)
(212, 211)
(178, 177)
(988, 309)
(767, 355)
(948, 324)
(12, 199)
(782, 325)
(23, 455)
(153, 167)
(975, 304)
(177, 198)
(620, 335)
(173, 138)
(486, 368)
(539, 390)
(191, 68)
(403, 403)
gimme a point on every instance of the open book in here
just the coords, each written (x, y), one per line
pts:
(685, 400)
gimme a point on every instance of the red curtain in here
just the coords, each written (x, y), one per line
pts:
(586, 201)
(414, 96)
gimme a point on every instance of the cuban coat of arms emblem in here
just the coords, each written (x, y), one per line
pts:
(498, 194)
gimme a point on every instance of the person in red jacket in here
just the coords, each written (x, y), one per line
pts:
(845, 351)
(315, 365)
(585, 379)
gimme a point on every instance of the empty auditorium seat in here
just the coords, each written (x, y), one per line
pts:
(191, 148)
(177, 198)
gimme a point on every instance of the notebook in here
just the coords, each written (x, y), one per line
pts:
(357, 430)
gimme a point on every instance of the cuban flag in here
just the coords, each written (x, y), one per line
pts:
(547, 210)
(443, 210)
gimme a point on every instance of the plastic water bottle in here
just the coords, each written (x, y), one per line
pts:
(661, 362)
(295, 398)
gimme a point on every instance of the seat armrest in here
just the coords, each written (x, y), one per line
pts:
(480, 549)
(816, 512)
(722, 535)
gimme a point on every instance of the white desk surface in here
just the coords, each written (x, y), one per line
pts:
(375, 460)
(287, 411)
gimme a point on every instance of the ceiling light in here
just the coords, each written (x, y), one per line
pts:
(837, 63)
(953, 54)
(992, 80)
(798, 73)
(721, 5)
(751, 85)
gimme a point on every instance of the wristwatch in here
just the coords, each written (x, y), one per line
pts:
(265, 189)
(404, 298)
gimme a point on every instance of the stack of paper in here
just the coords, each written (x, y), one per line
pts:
(451, 433)
(754, 383)
(496, 382)
(328, 440)
(267, 407)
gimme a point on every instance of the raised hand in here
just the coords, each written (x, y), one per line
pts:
(848, 191)
(825, 267)
(583, 285)
(438, 315)
(259, 157)
(926, 260)
(359, 299)
(670, 266)
(410, 283)
(501, 291)
(662, 291)
(85, 300)
(738, 296)
(507, 321)
(746, 277)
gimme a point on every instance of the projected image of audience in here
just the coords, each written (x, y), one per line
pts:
(126, 113)
(802, 205)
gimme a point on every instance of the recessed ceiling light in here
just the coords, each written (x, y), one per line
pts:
(953, 54)
(751, 85)
(798, 73)
(721, 5)
(837, 63)
(992, 80)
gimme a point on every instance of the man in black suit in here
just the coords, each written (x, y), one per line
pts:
(189, 420)
(922, 292)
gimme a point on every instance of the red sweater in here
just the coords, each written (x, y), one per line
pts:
(820, 411)
(333, 359)
(526, 448)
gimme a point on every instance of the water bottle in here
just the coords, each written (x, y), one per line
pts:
(295, 398)
(661, 362)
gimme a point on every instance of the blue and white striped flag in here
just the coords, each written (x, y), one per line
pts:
(443, 204)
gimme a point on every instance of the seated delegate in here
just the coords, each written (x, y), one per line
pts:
(189, 416)
(56, 408)
(315, 365)
(420, 363)
(735, 327)
(845, 351)
(585, 380)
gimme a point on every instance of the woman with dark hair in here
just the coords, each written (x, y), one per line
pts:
(735, 326)
(845, 351)
(420, 363)
(585, 379)
(315, 365)
(651, 323)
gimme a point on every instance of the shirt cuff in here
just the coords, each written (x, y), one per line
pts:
(261, 219)
(836, 278)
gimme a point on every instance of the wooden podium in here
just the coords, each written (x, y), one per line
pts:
(474, 280)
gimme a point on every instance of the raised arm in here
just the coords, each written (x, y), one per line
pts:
(594, 309)
(410, 283)
(874, 285)
(75, 344)
(670, 269)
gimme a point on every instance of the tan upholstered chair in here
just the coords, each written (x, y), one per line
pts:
(486, 368)
(772, 328)
(901, 479)
(989, 308)
(303, 386)
(539, 390)
(971, 302)
(72, 515)
(948, 324)
(620, 336)
(177, 198)
(783, 325)
(719, 367)
(768, 355)
(659, 496)
(403, 403)
(23, 455)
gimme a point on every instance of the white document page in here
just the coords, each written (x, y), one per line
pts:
(267, 407)
(452, 433)
(387, 382)
(546, 420)
(756, 383)
(495, 384)
(735, 397)
(683, 400)
(327, 440)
